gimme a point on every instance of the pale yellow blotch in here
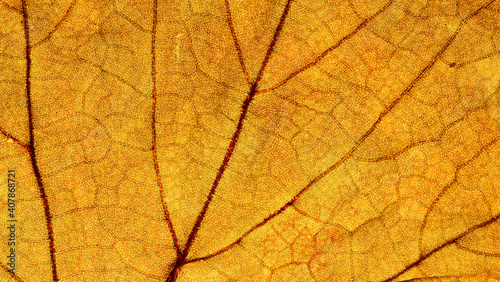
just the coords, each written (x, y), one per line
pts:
(177, 48)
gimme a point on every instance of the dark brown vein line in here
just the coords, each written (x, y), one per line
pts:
(487, 56)
(31, 146)
(12, 8)
(486, 254)
(453, 241)
(56, 27)
(330, 49)
(132, 22)
(436, 139)
(348, 155)
(181, 260)
(14, 139)
(273, 43)
(244, 109)
(235, 39)
(103, 70)
(479, 10)
(445, 189)
(153, 129)
(10, 273)
(455, 65)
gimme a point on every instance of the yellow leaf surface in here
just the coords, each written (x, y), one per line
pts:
(267, 140)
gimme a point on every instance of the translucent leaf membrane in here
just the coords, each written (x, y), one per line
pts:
(249, 140)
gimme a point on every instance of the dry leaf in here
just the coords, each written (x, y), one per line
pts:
(250, 140)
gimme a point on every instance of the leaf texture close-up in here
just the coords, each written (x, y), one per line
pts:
(265, 140)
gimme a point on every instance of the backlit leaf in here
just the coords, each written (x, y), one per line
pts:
(269, 140)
